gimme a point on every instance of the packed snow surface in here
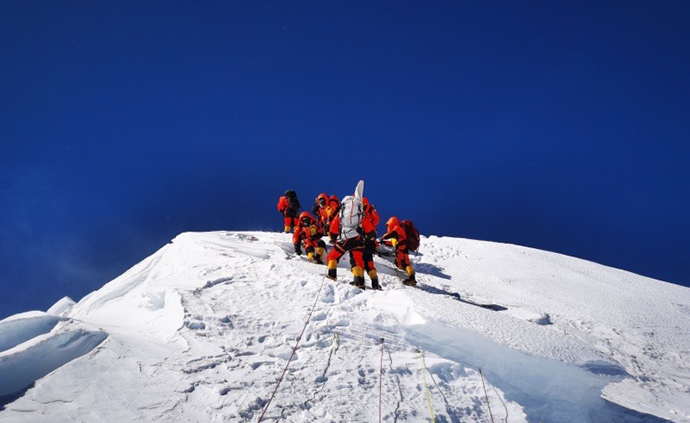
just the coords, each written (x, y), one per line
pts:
(202, 330)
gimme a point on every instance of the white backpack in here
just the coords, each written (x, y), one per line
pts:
(351, 211)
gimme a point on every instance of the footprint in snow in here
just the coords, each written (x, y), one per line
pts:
(328, 295)
(287, 355)
(196, 325)
(362, 377)
(343, 322)
(544, 320)
(226, 321)
(211, 284)
(260, 363)
(324, 343)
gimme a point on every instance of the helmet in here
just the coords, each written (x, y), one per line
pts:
(392, 222)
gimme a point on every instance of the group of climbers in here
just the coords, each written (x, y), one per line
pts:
(351, 227)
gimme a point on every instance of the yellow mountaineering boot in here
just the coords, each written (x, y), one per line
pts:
(320, 251)
(374, 279)
(332, 270)
(410, 276)
(358, 272)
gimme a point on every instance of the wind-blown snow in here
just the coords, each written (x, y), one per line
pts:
(62, 306)
(34, 359)
(201, 331)
(22, 327)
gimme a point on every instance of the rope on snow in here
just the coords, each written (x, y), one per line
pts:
(487, 396)
(449, 409)
(502, 402)
(426, 388)
(381, 382)
(299, 338)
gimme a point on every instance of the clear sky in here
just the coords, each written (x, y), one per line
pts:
(563, 126)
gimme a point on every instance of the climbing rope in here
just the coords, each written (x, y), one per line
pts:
(487, 396)
(299, 338)
(381, 382)
(445, 400)
(426, 388)
(502, 402)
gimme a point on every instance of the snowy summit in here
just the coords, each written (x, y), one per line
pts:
(205, 328)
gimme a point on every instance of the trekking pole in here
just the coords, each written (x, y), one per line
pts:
(397, 271)
(395, 263)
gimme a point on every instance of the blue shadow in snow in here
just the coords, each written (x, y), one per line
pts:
(549, 391)
(430, 269)
(424, 268)
(10, 398)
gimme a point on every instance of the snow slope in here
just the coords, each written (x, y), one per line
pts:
(202, 331)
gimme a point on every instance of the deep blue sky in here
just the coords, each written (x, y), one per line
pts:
(558, 125)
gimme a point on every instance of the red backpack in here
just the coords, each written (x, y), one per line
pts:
(412, 234)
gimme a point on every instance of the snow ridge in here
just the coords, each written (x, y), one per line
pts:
(203, 329)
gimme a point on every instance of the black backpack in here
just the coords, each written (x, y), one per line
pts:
(412, 235)
(293, 201)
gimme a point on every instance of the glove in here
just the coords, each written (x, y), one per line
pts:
(298, 249)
